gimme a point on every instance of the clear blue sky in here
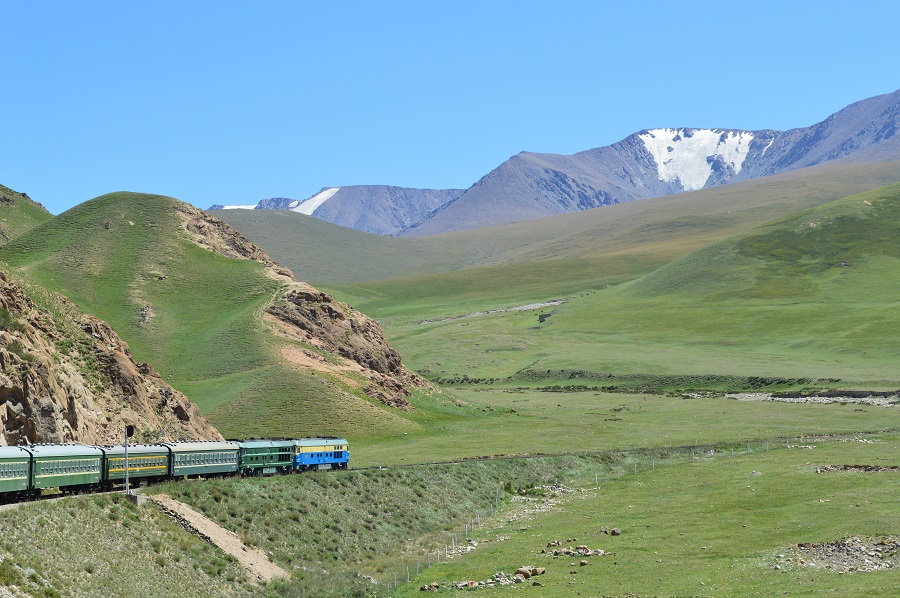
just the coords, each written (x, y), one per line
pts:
(232, 102)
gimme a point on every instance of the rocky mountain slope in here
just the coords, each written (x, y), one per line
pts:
(649, 163)
(68, 377)
(658, 162)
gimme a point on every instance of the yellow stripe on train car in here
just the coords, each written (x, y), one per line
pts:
(149, 468)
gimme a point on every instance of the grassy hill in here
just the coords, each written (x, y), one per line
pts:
(633, 238)
(18, 214)
(193, 313)
(810, 295)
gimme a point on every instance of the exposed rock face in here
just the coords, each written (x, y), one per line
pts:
(68, 377)
(214, 234)
(315, 318)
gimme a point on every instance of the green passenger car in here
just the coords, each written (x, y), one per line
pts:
(146, 462)
(67, 467)
(15, 471)
(195, 459)
(267, 457)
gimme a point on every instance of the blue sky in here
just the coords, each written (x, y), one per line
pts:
(232, 102)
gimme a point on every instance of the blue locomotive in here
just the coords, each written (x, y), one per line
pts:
(26, 471)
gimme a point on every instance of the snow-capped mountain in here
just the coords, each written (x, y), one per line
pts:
(649, 163)
(378, 209)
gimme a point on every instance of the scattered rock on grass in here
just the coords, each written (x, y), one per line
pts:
(499, 579)
(851, 555)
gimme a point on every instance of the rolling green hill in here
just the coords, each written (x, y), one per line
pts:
(636, 237)
(810, 295)
(195, 314)
(18, 214)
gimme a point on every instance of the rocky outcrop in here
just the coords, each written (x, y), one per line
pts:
(68, 377)
(316, 318)
(216, 235)
(306, 314)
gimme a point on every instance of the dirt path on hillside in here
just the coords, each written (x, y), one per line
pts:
(528, 307)
(255, 562)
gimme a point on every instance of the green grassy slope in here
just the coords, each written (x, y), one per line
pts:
(819, 289)
(650, 232)
(717, 525)
(775, 301)
(125, 257)
(105, 546)
(18, 214)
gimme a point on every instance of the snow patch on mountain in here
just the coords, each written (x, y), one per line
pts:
(685, 154)
(234, 207)
(313, 203)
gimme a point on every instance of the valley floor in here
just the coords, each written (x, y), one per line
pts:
(762, 520)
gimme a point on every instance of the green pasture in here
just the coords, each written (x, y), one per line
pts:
(711, 525)
(515, 421)
(810, 295)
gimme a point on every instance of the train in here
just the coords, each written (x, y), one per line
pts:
(28, 471)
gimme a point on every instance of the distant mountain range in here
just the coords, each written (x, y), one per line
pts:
(650, 163)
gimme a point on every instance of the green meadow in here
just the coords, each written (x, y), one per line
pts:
(720, 524)
(812, 295)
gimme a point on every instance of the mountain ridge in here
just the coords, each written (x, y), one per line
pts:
(649, 163)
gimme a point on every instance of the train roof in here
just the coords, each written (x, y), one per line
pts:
(13, 452)
(64, 450)
(319, 441)
(212, 445)
(136, 449)
(265, 443)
